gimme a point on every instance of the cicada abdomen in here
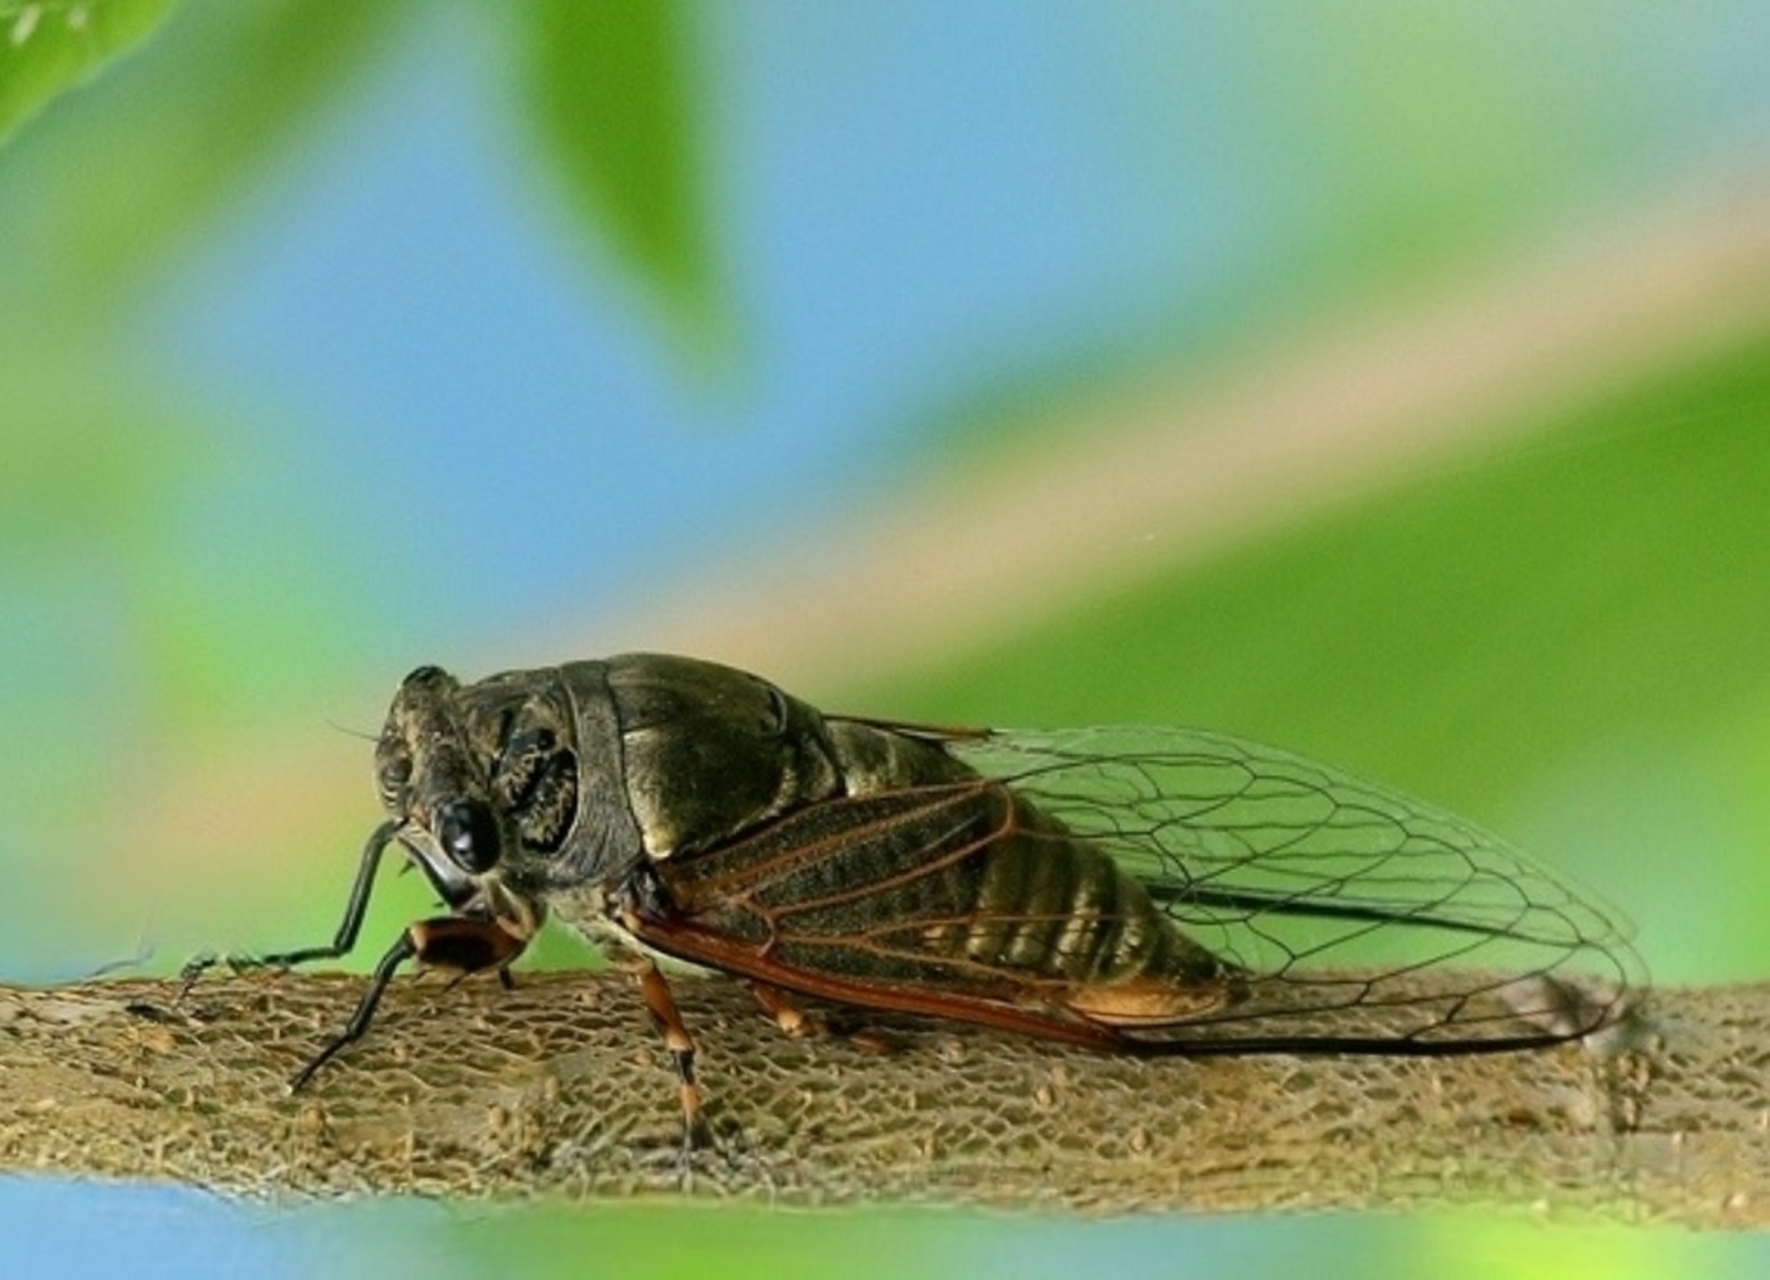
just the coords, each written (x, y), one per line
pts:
(959, 898)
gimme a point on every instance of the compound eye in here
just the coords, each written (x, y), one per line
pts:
(391, 777)
(469, 835)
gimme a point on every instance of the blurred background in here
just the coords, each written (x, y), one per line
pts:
(1381, 381)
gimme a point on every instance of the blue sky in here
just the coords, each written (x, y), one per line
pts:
(459, 383)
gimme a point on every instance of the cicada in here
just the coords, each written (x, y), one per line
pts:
(1130, 889)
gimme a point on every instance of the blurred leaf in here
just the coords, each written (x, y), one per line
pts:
(85, 468)
(94, 194)
(609, 88)
(1590, 604)
(50, 46)
(1428, 630)
(143, 542)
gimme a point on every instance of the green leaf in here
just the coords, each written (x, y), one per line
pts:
(608, 86)
(50, 46)
(97, 192)
(1571, 626)
(1421, 634)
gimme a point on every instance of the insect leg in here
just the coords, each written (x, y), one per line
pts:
(354, 909)
(788, 1016)
(447, 942)
(800, 1025)
(662, 1007)
(464, 944)
(400, 952)
(342, 941)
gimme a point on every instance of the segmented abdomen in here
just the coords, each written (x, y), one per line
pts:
(1055, 905)
(961, 886)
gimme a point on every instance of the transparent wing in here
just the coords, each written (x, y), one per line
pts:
(1361, 918)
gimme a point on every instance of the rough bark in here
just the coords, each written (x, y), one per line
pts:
(559, 1088)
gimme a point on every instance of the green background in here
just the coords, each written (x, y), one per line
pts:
(226, 520)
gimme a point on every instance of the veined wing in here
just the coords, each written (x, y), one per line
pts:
(1362, 918)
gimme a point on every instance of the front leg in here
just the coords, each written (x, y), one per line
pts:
(461, 943)
(342, 941)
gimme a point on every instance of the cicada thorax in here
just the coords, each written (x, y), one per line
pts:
(919, 876)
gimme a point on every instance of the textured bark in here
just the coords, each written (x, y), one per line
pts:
(559, 1088)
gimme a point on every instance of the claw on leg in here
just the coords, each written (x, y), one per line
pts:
(195, 968)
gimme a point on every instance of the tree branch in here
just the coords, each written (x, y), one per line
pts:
(560, 1088)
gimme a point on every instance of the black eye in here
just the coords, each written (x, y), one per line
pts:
(469, 835)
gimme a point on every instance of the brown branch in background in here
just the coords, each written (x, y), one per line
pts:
(561, 1089)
